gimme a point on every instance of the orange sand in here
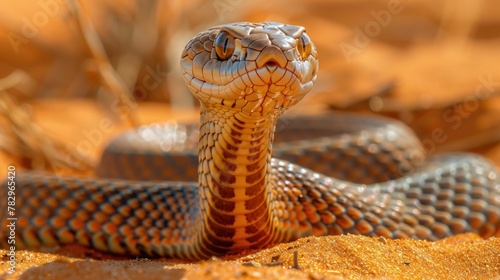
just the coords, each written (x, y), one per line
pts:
(333, 257)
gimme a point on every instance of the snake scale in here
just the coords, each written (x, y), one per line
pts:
(245, 75)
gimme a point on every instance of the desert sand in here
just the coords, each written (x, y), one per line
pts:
(332, 257)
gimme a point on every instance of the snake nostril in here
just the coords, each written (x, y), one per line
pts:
(271, 56)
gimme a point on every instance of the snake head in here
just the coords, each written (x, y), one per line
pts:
(260, 69)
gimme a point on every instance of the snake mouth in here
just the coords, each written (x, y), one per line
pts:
(273, 89)
(261, 91)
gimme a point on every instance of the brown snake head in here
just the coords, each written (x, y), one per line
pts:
(257, 68)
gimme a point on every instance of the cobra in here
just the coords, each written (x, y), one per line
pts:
(245, 75)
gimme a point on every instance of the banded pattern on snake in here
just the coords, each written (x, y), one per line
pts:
(245, 75)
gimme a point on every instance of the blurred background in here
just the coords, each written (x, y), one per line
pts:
(73, 74)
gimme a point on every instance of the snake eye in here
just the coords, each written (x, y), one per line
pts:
(224, 45)
(304, 46)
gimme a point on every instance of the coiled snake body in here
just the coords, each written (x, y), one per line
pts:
(245, 75)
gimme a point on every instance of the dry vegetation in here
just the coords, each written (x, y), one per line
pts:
(67, 65)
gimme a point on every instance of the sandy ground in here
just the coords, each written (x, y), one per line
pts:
(332, 257)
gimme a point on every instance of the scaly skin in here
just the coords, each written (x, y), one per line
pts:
(244, 198)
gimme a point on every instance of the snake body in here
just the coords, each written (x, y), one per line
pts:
(245, 75)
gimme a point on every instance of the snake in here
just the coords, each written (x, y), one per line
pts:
(194, 191)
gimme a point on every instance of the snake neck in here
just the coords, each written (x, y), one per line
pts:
(234, 164)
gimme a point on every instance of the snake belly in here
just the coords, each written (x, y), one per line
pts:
(371, 177)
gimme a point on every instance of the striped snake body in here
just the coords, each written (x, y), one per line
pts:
(245, 75)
